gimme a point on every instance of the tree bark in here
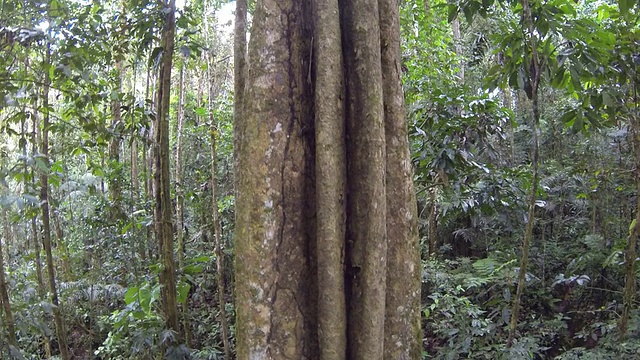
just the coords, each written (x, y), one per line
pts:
(37, 247)
(330, 182)
(180, 199)
(275, 315)
(239, 74)
(46, 227)
(162, 186)
(178, 181)
(455, 29)
(366, 205)
(324, 187)
(7, 236)
(534, 82)
(217, 238)
(402, 319)
(4, 291)
(115, 185)
(630, 256)
(66, 266)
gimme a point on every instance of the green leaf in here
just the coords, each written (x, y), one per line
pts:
(203, 258)
(145, 299)
(607, 99)
(155, 55)
(625, 6)
(131, 295)
(183, 291)
(41, 164)
(578, 123)
(192, 269)
(487, 3)
(520, 79)
(468, 13)
(557, 78)
(594, 119)
(453, 12)
(575, 79)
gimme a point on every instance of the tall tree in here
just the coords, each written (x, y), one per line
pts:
(532, 86)
(46, 226)
(162, 186)
(180, 196)
(35, 234)
(312, 205)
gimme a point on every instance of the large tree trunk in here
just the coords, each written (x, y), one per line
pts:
(275, 312)
(162, 186)
(46, 227)
(340, 158)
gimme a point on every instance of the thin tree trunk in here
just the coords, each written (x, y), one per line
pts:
(215, 220)
(433, 226)
(7, 235)
(508, 99)
(455, 28)
(162, 186)
(180, 201)
(534, 82)
(115, 184)
(634, 232)
(239, 74)
(4, 291)
(66, 267)
(178, 181)
(135, 187)
(46, 228)
(35, 139)
(147, 169)
(217, 238)
(135, 182)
